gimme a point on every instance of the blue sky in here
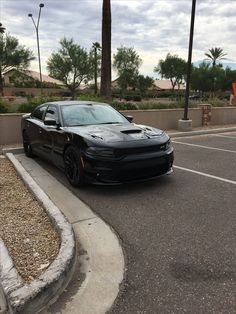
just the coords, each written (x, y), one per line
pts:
(153, 28)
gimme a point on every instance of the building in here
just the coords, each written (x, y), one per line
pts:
(164, 85)
(28, 78)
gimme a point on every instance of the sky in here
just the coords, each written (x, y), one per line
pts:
(152, 28)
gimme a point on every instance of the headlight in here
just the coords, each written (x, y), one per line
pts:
(168, 144)
(100, 152)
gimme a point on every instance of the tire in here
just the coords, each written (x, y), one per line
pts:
(73, 167)
(27, 145)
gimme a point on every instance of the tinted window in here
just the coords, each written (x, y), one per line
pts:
(90, 114)
(38, 112)
(51, 113)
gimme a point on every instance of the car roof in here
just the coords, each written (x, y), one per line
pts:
(75, 102)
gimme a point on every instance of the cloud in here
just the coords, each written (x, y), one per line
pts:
(153, 28)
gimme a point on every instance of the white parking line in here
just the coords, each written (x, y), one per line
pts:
(206, 175)
(206, 147)
(227, 136)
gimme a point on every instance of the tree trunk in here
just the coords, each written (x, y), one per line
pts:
(1, 83)
(106, 50)
(95, 71)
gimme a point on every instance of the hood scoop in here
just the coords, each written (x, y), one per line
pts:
(96, 136)
(134, 131)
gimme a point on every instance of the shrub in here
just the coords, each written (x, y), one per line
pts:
(35, 101)
(124, 105)
(92, 97)
(3, 107)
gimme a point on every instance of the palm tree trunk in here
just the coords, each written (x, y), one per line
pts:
(106, 50)
(1, 82)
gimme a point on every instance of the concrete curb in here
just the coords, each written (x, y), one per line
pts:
(3, 302)
(13, 150)
(101, 258)
(32, 298)
(200, 132)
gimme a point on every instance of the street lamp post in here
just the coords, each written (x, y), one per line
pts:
(185, 124)
(189, 60)
(37, 34)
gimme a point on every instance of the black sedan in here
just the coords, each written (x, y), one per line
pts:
(93, 142)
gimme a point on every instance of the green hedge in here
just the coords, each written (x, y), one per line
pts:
(3, 107)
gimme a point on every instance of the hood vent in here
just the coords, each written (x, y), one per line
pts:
(131, 131)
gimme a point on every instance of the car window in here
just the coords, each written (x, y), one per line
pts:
(39, 112)
(90, 114)
(51, 113)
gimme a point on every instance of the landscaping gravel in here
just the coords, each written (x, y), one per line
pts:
(31, 239)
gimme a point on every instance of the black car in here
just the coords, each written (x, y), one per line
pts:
(93, 142)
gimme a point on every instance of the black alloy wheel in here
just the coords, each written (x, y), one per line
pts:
(73, 166)
(27, 145)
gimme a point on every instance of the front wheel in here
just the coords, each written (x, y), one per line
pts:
(73, 166)
(27, 145)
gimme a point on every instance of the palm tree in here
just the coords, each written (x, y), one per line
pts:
(215, 54)
(106, 50)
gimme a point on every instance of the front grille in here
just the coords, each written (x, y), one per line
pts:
(142, 173)
(139, 150)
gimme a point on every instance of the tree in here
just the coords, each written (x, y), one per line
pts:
(206, 78)
(96, 56)
(173, 68)
(229, 78)
(215, 54)
(71, 64)
(2, 29)
(143, 83)
(106, 50)
(12, 55)
(127, 63)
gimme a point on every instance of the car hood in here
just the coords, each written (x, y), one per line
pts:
(110, 133)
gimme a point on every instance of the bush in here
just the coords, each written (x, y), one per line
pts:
(92, 97)
(124, 105)
(133, 97)
(20, 93)
(35, 101)
(3, 107)
(26, 107)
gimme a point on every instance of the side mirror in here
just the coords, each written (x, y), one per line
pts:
(129, 118)
(50, 122)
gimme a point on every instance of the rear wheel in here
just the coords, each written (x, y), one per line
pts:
(27, 145)
(73, 166)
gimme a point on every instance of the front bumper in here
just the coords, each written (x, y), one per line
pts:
(128, 169)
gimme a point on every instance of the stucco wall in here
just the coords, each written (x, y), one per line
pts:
(225, 115)
(10, 128)
(166, 119)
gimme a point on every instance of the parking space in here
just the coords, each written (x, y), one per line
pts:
(178, 232)
(211, 154)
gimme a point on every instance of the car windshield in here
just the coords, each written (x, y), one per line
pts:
(74, 115)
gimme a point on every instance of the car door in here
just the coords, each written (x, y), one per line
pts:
(47, 132)
(33, 126)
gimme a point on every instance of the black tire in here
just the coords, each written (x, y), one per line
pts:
(27, 145)
(73, 167)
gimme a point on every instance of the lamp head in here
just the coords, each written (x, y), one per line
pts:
(41, 5)
(30, 15)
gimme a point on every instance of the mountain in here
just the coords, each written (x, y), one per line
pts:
(231, 65)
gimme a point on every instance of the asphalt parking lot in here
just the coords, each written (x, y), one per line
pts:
(178, 232)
